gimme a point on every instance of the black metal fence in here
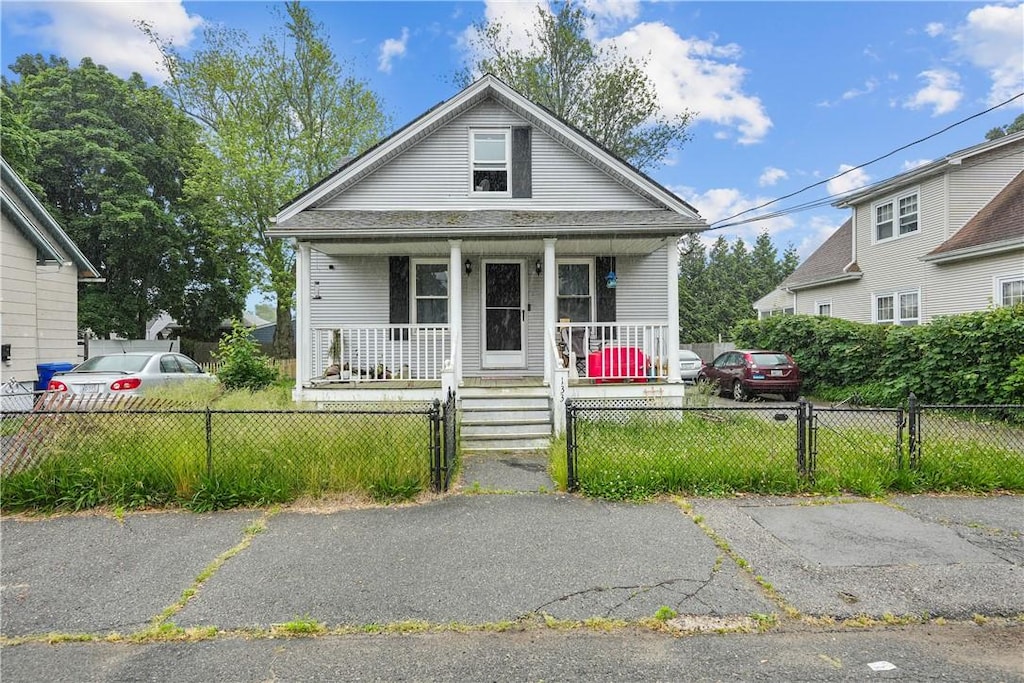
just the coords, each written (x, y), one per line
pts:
(630, 449)
(168, 455)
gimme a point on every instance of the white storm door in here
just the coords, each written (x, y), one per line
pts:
(504, 316)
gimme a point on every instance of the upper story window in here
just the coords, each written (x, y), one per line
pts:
(896, 217)
(491, 151)
(430, 292)
(898, 308)
(1010, 290)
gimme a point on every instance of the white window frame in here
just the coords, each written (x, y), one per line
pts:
(414, 296)
(591, 274)
(818, 305)
(897, 307)
(507, 132)
(896, 219)
(997, 287)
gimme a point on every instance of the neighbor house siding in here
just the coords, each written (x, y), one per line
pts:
(969, 285)
(435, 175)
(18, 303)
(57, 314)
(978, 180)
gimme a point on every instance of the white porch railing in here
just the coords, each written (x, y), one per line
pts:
(378, 354)
(615, 352)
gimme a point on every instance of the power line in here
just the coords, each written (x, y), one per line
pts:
(716, 225)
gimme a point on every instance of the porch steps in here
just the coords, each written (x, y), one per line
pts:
(505, 418)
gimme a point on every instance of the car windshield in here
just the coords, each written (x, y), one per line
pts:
(113, 363)
(764, 359)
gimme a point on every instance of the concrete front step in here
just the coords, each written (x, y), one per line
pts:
(538, 442)
(505, 402)
(509, 418)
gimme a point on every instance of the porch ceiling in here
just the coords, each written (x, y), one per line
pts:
(610, 246)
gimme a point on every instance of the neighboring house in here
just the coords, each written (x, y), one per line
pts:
(486, 242)
(40, 268)
(944, 238)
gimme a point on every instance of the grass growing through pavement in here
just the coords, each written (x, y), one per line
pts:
(138, 460)
(636, 458)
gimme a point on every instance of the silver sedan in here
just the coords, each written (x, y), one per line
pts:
(689, 365)
(128, 374)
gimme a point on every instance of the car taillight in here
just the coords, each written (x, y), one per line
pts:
(125, 384)
(56, 385)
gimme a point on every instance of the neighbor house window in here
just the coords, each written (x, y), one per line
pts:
(898, 308)
(490, 150)
(430, 292)
(896, 217)
(824, 308)
(1010, 290)
(575, 291)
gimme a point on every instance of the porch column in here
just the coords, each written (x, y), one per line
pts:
(672, 244)
(550, 308)
(455, 307)
(304, 342)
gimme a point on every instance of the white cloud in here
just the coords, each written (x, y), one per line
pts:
(911, 164)
(870, 86)
(107, 31)
(699, 75)
(942, 92)
(771, 175)
(934, 28)
(392, 48)
(517, 17)
(847, 180)
(614, 10)
(722, 203)
(991, 39)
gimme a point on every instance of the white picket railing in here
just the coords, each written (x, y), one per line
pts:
(378, 354)
(615, 351)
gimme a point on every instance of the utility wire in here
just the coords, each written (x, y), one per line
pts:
(716, 225)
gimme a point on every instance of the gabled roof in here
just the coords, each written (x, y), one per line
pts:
(831, 262)
(998, 227)
(38, 226)
(918, 174)
(487, 87)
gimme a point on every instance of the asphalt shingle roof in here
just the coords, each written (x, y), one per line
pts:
(1001, 220)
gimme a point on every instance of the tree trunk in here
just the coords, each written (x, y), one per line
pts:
(284, 340)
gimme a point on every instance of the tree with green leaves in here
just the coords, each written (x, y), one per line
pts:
(280, 115)
(110, 158)
(602, 92)
(1016, 126)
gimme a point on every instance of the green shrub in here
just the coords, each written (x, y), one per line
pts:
(243, 366)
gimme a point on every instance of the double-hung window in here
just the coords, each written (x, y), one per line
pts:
(491, 150)
(823, 308)
(1010, 290)
(575, 291)
(896, 217)
(430, 292)
(898, 308)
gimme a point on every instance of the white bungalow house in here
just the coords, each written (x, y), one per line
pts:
(941, 239)
(40, 268)
(487, 248)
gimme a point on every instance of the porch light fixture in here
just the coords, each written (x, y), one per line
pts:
(539, 267)
(469, 267)
(316, 289)
(610, 280)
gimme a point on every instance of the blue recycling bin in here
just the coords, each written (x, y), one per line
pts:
(47, 371)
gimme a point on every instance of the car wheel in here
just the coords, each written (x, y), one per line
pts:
(791, 395)
(739, 393)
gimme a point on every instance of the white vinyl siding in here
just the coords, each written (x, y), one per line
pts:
(355, 293)
(977, 181)
(435, 175)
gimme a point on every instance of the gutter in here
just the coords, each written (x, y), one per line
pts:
(975, 251)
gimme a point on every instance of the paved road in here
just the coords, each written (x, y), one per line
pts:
(502, 576)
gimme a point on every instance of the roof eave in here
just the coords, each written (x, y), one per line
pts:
(446, 232)
(976, 251)
(836, 279)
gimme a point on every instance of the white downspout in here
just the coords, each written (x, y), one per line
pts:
(550, 308)
(304, 344)
(455, 306)
(672, 245)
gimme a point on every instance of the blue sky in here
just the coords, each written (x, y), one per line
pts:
(786, 94)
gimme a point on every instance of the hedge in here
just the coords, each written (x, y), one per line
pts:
(969, 358)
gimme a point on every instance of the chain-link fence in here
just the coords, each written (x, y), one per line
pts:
(629, 450)
(206, 459)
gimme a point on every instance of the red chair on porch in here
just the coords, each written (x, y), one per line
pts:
(617, 364)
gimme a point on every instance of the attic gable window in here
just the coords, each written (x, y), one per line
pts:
(491, 151)
(896, 217)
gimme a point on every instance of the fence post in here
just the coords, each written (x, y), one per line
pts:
(801, 437)
(435, 445)
(209, 443)
(900, 424)
(570, 445)
(448, 417)
(914, 431)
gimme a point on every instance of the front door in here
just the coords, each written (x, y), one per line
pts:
(504, 315)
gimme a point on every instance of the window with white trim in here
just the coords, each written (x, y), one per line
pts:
(896, 217)
(823, 308)
(430, 292)
(490, 150)
(898, 308)
(575, 291)
(1010, 290)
